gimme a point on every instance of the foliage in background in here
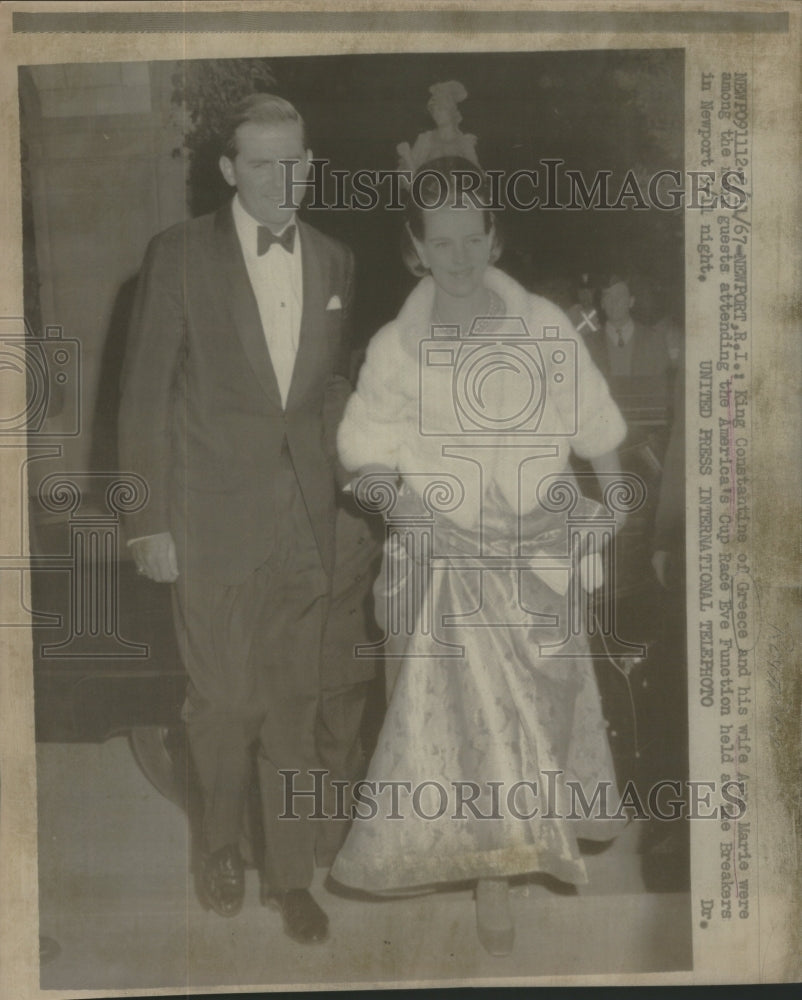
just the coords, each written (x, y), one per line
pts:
(598, 111)
(202, 90)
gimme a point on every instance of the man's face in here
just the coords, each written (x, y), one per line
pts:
(617, 302)
(258, 174)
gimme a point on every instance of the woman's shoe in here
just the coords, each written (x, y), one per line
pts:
(493, 917)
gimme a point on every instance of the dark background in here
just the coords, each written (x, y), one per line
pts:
(113, 153)
(598, 110)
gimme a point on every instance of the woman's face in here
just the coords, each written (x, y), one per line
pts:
(455, 248)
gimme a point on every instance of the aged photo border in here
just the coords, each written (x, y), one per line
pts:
(745, 37)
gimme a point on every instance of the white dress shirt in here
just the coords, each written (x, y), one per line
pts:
(620, 347)
(277, 282)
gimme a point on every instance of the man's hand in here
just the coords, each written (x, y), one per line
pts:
(155, 557)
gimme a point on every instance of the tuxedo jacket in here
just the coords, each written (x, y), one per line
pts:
(201, 418)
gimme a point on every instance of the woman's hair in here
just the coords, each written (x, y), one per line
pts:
(448, 180)
(260, 109)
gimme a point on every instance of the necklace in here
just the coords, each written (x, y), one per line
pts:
(495, 308)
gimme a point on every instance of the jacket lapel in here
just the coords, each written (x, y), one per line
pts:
(242, 302)
(310, 349)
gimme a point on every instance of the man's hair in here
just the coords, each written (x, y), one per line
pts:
(259, 109)
(616, 278)
(440, 180)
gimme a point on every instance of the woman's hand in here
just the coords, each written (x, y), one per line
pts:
(155, 557)
(591, 571)
(370, 470)
(408, 502)
(660, 565)
(607, 467)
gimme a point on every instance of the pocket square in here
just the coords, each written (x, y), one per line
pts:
(334, 303)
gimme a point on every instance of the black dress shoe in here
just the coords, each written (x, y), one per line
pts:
(304, 921)
(222, 881)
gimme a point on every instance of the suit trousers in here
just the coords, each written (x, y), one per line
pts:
(340, 752)
(252, 652)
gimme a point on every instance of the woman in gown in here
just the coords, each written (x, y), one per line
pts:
(476, 749)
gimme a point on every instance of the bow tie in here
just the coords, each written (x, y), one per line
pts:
(265, 238)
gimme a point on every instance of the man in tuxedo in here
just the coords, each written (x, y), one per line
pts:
(234, 382)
